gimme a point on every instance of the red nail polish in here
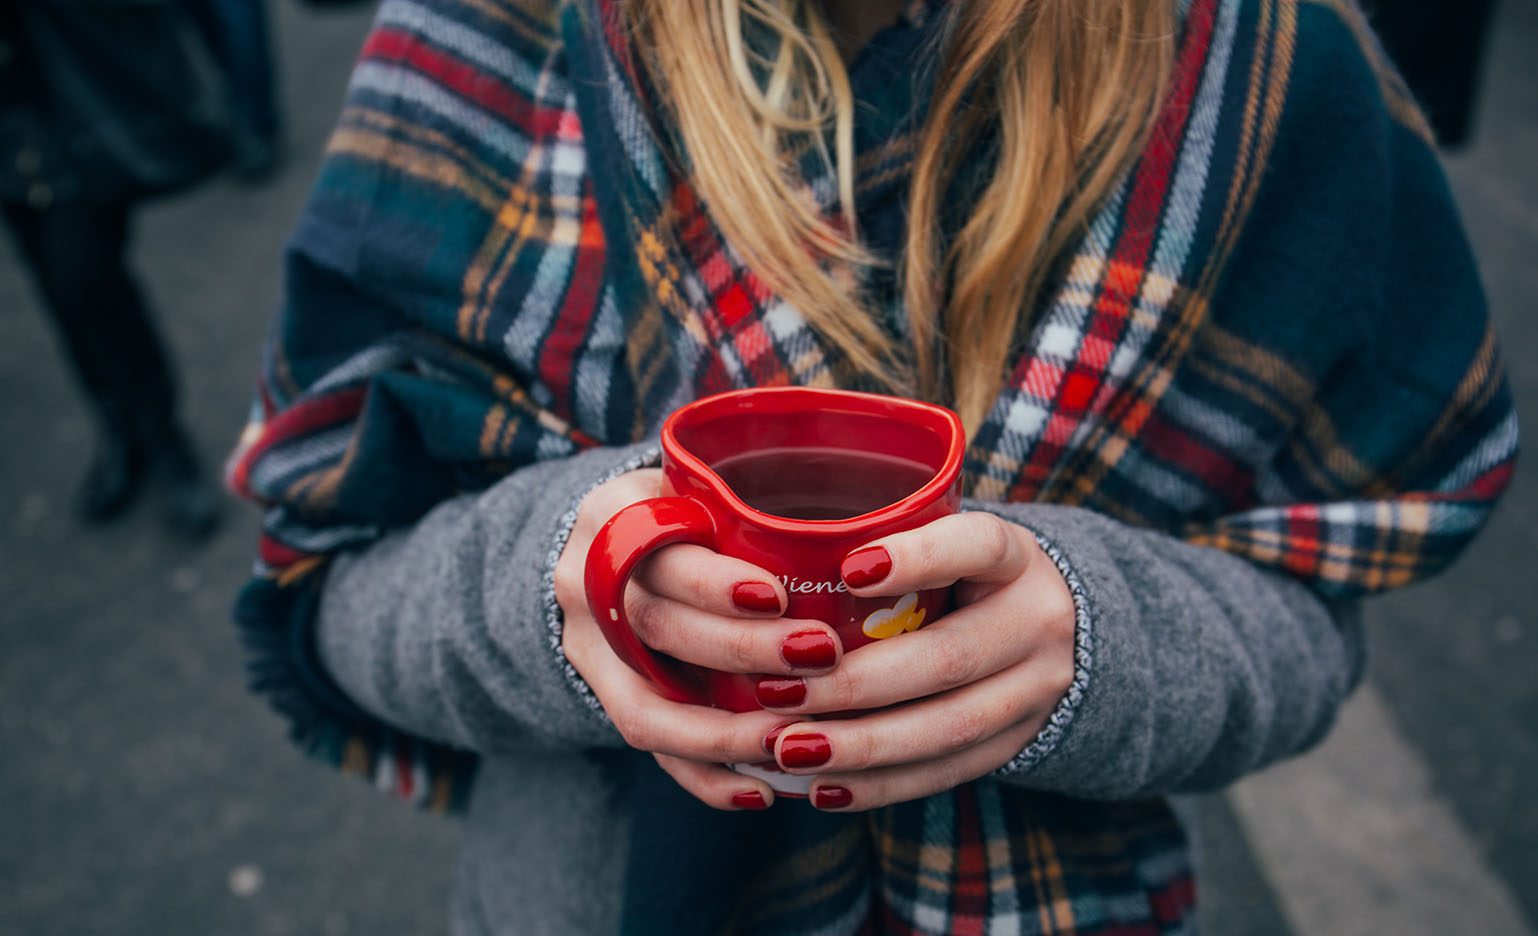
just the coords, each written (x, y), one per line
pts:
(812, 649)
(831, 797)
(781, 693)
(866, 566)
(755, 596)
(805, 750)
(773, 736)
(751, 799)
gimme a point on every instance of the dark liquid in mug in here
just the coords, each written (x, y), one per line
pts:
(821, 483)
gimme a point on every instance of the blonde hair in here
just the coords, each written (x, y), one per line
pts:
(1070, 87)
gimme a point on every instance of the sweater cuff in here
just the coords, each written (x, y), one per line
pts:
(1047, 739)
(555, 619)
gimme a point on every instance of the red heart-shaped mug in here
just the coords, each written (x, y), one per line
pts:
(791, 479)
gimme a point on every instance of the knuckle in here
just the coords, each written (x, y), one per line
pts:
(951, 774)
(1060, 608)
(574, 631)
(858, 751)
(996, 540)
(635, 727)
(591, 510)
(607, 499)
(649, 618)
(723, 746)
(843, 687)
(744, 643)
(965, 729)
(574, 652)
(1061, 680)
(569, 592)
(701, 587)
(930, 553)
(954, 661)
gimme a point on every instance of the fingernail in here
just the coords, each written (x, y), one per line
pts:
(773, 736)
(812, 649)
(805, 750)
(866, 566)
(831, 797)
(755, 596)
(750, 799)
(781, 693)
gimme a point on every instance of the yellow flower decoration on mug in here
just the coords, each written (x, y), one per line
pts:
(905, 616)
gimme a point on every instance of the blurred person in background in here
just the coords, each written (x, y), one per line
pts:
(1190, 273)
(103, 105)
(1438, 46)
(237, 35)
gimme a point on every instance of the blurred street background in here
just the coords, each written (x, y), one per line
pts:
(145, 792)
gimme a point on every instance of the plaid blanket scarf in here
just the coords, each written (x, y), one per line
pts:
(1270, 341)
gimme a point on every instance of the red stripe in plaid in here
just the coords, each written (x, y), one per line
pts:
(474, 84)
(567, 337)
(1087, 380)
(1217, 472)
(301, 419)
(972, 877)
(276, 555)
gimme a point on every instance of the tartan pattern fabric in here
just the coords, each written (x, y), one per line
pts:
(1060, 878)
(1271, 340)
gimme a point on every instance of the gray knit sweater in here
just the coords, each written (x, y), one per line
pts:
(1194, 668)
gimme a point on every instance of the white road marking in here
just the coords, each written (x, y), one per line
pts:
(1355, 841)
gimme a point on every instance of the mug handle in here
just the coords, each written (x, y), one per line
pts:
(630, 536)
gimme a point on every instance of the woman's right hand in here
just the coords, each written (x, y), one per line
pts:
(699, 606)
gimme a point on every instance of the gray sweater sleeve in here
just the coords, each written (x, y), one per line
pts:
(449, 629)
(1194, 666)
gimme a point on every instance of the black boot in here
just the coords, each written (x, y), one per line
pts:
(114, 477)
(189, 503)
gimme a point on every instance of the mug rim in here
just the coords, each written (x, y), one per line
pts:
(932, 490)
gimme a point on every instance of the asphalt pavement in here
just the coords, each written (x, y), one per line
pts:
(146, 792)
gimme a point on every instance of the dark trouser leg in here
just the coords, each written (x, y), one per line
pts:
(250, 66)
(77, 254)
(237, 35)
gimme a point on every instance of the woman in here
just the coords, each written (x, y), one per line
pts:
(1189, 272)
(100, 110)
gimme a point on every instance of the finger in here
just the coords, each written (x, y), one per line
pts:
(974, 546)
(940, 726)
(730, 644)
(649, 722)
(596, 508)
(966, 645)
(854, 792)
(607, 499)
(715, 786)
(710, 581)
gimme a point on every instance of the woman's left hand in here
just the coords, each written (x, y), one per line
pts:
(957, 698)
